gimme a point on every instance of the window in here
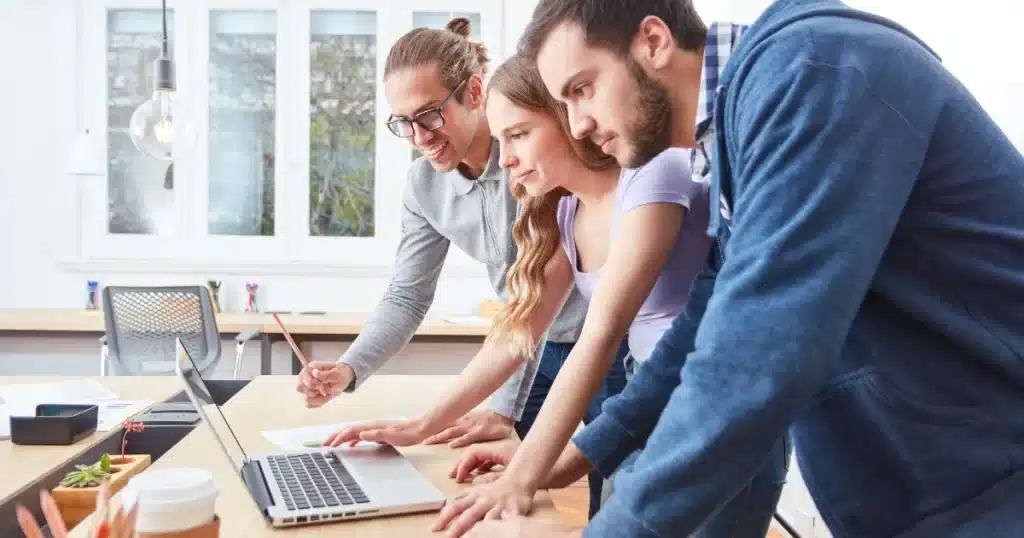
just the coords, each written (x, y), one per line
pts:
(343, 104)
(292, 163)
(138, 203)
(242, 106)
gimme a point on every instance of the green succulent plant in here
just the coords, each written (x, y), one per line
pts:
(88, 476)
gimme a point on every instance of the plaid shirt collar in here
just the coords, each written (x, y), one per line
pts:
(722, 39)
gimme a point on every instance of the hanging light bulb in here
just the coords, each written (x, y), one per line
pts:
(160, 127)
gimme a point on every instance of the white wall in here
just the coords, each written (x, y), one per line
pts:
(34, 226)
(33, 135)
(977, 41)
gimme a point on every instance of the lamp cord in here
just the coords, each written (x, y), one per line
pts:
(164, 11)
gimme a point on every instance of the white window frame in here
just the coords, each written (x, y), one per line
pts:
(96, 242)
(227, 248)
(291, 249)
(390, 165)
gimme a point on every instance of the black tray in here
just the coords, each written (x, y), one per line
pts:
(55, 424)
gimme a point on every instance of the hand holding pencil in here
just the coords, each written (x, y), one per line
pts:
(319, 381)
(322, 381)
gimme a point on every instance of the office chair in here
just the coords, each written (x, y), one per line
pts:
(142, 324)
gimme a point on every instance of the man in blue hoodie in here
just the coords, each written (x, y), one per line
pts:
(870, 297)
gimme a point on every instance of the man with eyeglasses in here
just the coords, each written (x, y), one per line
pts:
(457, 194)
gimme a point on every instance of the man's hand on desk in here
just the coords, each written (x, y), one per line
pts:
(321, 381)
(502, 498)
(515, 526)
(480, 462)
(570, 467)
(474, 427)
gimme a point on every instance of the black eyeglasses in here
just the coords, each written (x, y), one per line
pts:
(430, 119)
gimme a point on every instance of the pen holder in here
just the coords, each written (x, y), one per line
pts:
(209, 530)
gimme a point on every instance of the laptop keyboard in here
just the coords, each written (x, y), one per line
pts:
(315, 480)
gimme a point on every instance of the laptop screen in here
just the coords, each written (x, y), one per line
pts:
(210, 412)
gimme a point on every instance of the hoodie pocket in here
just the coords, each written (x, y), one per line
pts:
(878, 460)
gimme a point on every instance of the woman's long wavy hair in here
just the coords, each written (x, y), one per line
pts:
(535, 231)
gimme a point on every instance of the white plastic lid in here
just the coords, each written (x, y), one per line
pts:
(166, 490)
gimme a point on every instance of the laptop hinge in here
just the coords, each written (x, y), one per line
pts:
(255, 480)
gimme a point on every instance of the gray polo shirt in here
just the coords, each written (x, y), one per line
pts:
(441, 209)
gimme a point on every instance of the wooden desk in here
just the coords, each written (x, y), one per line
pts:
(249, 414)
(351, 324)
(68, 320)
(24, 465)
(58, 320)
(306, 328)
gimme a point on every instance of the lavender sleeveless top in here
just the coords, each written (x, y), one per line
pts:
(665, 179)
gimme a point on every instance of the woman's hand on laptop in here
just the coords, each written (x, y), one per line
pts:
(474, 427)
(388, 432)
(321, 381)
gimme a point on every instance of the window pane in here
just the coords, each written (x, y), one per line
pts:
(342, 141)
(243, 71)
(438, 20)
(137, 202)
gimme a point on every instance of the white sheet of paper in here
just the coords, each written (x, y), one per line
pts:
(296, 438)
(5, 424)
(114, 412)
(22, 399)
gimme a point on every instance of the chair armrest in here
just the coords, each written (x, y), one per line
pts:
(247, 335)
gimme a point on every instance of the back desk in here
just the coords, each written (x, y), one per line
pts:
(61, 320)
(270, 402)
(305, 328)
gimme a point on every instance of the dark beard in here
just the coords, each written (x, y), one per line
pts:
(650, 132)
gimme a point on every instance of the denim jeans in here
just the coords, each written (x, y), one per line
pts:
(749, 513)
(551, 361)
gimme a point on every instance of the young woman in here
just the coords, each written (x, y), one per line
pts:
(457, 194)
(632, 241)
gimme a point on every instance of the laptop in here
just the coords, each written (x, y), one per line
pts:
(320, 485)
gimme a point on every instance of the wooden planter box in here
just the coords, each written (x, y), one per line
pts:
(76, 504)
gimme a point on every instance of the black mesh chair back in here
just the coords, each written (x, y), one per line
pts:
(142, 324)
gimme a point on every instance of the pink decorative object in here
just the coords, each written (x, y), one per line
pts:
(251, 288)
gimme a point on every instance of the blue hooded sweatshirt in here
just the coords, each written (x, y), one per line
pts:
(871, 299)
